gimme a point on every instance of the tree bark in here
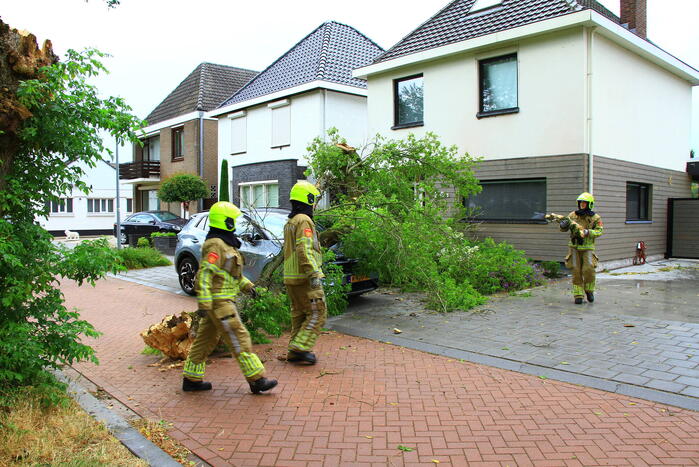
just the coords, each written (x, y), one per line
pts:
(20, 60)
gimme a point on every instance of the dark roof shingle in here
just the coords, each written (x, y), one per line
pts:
(453, 23)
(329, 53)
(203, 89)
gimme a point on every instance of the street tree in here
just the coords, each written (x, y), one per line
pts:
(50, 126)
(182, 188)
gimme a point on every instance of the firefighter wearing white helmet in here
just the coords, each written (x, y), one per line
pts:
(584, 226)
(219, 280)
(303, 274)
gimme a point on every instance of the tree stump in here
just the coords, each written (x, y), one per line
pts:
(171, 336)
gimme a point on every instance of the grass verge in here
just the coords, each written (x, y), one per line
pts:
(32, 433)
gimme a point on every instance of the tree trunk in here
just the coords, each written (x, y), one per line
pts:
(20, 60)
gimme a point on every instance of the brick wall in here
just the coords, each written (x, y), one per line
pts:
(287, 172)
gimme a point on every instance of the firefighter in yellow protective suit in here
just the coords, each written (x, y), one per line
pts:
(303, 274)
(584, 227)
(219, 280)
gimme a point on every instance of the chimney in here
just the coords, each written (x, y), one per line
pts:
(633, 13)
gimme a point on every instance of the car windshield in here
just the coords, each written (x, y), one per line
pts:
(273, 222)
(165, 216)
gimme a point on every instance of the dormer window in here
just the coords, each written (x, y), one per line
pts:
(484, 5)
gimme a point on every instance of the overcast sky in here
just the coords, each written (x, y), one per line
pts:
(155, 44)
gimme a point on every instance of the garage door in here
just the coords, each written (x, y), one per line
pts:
(683, 228)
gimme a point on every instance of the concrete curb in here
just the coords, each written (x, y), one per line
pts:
(677, 400)
(117, 426)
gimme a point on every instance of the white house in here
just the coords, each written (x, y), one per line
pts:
(558, 97)
(265, 127)
(94, 213)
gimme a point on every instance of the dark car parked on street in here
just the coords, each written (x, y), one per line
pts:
(142, 224)
(262, 235)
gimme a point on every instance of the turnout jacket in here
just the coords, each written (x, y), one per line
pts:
(594, 226)
(220, 275)
(302, 254)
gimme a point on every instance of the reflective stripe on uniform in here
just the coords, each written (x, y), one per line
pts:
(194, 371)
(231, 334)
(250, 364)
(590, 287)
(578, 291)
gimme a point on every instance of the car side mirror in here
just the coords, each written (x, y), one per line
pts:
(248, 238)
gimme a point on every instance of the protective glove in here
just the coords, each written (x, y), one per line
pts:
(202, 313)
(565, 224)
(315, 283)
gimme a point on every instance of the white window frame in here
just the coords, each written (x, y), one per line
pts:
(280, 119)
(62, 206)
(250, 203)
(103, 206)
(239, 129)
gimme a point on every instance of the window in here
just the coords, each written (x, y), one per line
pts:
(638, 199)
(102, 205)
(151, 149)
(62, 206)
(281, 123)
(510, 200)
(238, 133)
(498, 85)
(129, 205)
(484, 4)
(260, 194)
(140, 219)
(178, 143)
(407, 102)
(150, 200)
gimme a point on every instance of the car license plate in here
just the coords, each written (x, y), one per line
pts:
(358, 278)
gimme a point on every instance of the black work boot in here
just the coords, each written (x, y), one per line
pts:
(578, 300)
(189, 385)
(301, 357)
(261, 385)
(590, 296)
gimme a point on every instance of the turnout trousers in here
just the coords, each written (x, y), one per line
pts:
(308, 315)
(223, 321)
(582, 263)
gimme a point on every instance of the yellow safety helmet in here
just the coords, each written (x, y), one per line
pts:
(587, 197)
(304, 192)
(223, 214)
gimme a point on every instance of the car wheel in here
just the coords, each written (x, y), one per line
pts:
(187, 271)
(123, 238)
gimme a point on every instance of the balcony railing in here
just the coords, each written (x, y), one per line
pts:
(139, 169)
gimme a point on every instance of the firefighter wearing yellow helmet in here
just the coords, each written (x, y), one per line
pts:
(219, 280)
(584, 227)
(303, 274)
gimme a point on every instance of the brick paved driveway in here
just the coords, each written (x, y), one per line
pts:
(372, 398)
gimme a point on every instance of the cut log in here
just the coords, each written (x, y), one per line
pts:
(171, 336)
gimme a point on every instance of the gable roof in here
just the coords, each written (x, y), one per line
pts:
(329, 53)
(453, 23)
(203, 89)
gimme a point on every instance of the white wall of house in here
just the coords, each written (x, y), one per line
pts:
(551, 84)
(640, 112)
(310, 115)
(102, 180)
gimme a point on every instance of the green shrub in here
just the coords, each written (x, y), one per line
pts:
(142, 242)
(333, 286)
(552, 269)
(142, 257)
(163, 234)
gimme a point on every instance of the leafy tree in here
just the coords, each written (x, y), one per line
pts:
(396, 205)
(58, 123)
(182, 188)
(224, 182)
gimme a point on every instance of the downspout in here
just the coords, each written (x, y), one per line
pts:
(201, 155)
(323, 127)
(588, 123)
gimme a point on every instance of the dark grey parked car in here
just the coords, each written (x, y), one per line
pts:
(142, 224)
(262, 235)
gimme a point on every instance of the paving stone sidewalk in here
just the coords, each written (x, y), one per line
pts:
(640, 336)
(367, 398)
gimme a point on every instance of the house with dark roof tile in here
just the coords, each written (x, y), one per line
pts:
(265, 127)
(179, 139)
(558, 97)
